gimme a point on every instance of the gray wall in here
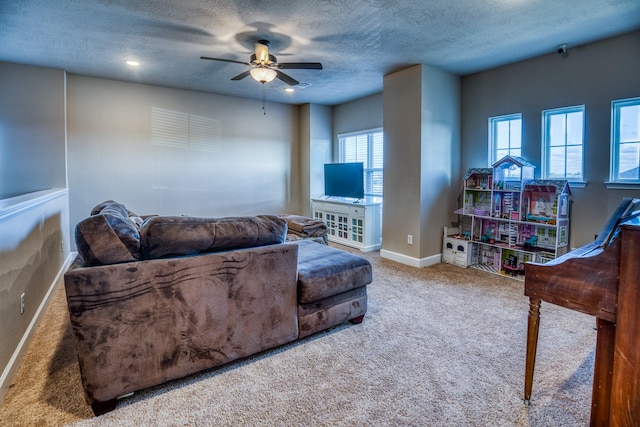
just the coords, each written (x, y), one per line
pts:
(315, 151)
(111, 155)
(321, 149)
(421, 161)
(33, 249)
(593, 75)
(402, 161)
(32, 129)
(361, 114)
(34, 225)
(440, 156)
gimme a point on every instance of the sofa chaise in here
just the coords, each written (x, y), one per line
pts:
(158, 298)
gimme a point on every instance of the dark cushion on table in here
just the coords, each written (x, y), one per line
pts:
(108, 236)
(165, 236)
(324, 271)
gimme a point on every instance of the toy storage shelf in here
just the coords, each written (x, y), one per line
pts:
(513, 219)
(458, 251)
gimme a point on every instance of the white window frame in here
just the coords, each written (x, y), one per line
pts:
(546, 148)
(493, 123)
(616, 105)
(369, 155)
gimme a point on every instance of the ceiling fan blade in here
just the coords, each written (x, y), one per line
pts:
(300, 65)
(288, 80)
(242, 75)
(225, 60)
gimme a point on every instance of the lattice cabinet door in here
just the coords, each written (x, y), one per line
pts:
(331, 224)
(357, 229)
(342, 226)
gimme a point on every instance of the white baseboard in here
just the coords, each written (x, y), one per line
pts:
(18, 354)
(407, 260)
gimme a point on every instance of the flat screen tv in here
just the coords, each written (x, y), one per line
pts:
(344, 180)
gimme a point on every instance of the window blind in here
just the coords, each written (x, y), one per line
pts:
(365, 147)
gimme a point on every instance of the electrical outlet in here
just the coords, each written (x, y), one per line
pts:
(409, 239)
(22, 303)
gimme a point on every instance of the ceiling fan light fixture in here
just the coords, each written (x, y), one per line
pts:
(262, 51)
(263, 75)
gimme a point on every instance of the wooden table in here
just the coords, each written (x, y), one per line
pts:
(605, 284)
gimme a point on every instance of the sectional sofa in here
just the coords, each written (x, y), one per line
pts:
(158, 298)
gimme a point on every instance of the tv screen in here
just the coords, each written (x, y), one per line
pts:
(344, 180)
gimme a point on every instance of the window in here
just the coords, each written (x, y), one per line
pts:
(183, 130)
(365, 147)
(505, 137)
(625, 141)
(562, 144)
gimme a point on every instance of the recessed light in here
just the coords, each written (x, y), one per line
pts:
(132, 63)
(289, 89)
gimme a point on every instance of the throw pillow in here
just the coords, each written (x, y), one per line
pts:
(108, 236)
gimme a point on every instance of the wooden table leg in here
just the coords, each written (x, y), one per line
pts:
(532, 346)
(625, 383)
(602, 373)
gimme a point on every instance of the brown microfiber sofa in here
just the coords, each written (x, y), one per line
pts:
(155, 299)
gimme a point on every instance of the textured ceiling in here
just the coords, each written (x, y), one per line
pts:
(357, 41)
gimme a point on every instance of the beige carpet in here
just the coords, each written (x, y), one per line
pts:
(439, 346)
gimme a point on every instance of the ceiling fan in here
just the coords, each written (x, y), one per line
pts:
(265, 67)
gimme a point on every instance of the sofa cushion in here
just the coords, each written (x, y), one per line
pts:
(108, 236)
(165, 236)
(325, 313)
(324, 271)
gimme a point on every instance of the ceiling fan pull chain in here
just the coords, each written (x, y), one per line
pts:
(264, 110)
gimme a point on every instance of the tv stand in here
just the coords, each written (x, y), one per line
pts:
(352, 223)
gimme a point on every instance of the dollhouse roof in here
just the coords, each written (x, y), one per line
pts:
(518, 161)
(480, 171)
(557, 186)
